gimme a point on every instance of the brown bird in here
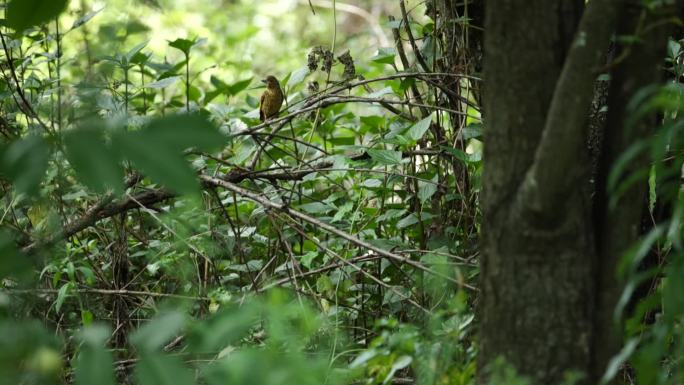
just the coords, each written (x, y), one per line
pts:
(271, 100)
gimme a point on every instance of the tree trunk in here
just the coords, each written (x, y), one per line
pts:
(535, 275)
(550, 246)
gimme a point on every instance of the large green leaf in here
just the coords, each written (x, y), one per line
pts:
(134, 51)
(180, 132)
(159, 369)
(160, 330)
(417, 131)
(94, 364)
(25, 162)
(163, 83)
(185, 45)
(297, 76)
(97, 166)
(22, 14)
(12, 262)
(385, 55)
(385, 157)
(224, 328)
(238, 86)
(157, 161)
(157, 149)
(426, 189)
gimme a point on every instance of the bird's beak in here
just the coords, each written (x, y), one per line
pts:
(264, 81)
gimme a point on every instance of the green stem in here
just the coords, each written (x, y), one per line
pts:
(187, 82)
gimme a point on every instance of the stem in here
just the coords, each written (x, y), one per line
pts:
(187, 82)
(142, 75)
(126, 91)
(59, 76)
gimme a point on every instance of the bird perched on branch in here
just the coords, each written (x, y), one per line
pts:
(271, 100)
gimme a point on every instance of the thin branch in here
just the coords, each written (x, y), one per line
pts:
(414, 46)
(331, 100)
(101, 210)
(266, 203)
(119, 292)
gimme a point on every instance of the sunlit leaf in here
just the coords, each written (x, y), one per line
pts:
(163, 83)
(183, 44)
(85, 18)
(135, 50)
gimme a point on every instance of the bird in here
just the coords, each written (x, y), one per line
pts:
(271, 99)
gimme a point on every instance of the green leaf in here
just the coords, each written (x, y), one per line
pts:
(673, 49)
(307, 258)
(391, 214)
(238, 87)
(385, 157)
(342, 211)
(316, 208)
(161, 369)
(399, 364)
(426, 189)
(22, 14)
(385, 55)
(94, 364)
(25, 162)
(180, 132)
(12, 262)
(407, 221)
(97, 166)
(161, 163)
(380, 93)
(618, 360)
(85, 18)
(364, 357)
(163, 83)
(472, 131)
(183, 44)
(160, 330)
(298, 76)
(372, 183)
(134, 51)
(417, 131)
(61, 295)
(157, 149)
(87, 317)
(224, 328)
(458, 154)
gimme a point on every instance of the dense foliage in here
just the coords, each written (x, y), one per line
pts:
(140, 185)
(155, 231)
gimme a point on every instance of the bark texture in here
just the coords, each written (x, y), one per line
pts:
(535, 275)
